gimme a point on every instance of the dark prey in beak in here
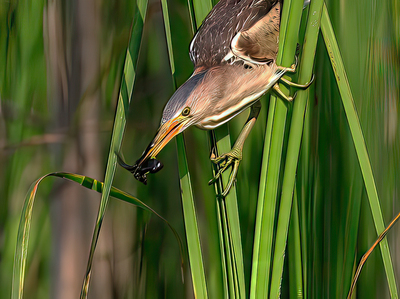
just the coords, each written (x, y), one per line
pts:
(140, 171)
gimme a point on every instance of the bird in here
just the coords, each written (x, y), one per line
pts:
(234, 56)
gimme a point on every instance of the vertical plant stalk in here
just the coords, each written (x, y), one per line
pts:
(260, 278)
(222, 144)
(124, 98)
(222, 247)
(191, 228)
(303, 187)
(193, 21)
(224, 242)
(351, 228)
(294, 248)
(260, 199)
(189, 212)
(232, 253)
(359, 143)
(293, 150)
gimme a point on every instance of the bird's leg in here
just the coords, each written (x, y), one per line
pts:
(296, 85)
(234, 157)
(280, 93)
(291, 69)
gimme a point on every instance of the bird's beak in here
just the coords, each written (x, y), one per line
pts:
(165, 133)
(147, 162)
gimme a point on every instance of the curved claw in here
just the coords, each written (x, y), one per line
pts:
(311, 81)
(294, 65)
(225, 161)
(293, 97)
(224, 165)
(232, 178)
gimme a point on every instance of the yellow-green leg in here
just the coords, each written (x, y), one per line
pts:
(276, 89)
(234, 157)
(280, 93)
(296, 85)
(291, 69)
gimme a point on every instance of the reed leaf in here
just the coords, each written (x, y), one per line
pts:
(293, 150)
(124, 99)
(221, 142)
(228, 205)
(359, 143)
(189, 212)
(260, 199)
(260, 280)
(21, 250)
(294, 254)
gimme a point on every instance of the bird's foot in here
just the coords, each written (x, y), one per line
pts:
(292, 69)
(289, 83)
(296, 85)
(280, 93)
(224, 161)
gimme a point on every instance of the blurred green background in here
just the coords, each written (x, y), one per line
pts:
(60, 71)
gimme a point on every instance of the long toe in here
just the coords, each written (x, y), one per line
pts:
(218, 160)
(232, 178)
(219, 173)
(224, 162)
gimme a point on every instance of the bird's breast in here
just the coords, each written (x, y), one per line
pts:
(238, 89)
(215, 120)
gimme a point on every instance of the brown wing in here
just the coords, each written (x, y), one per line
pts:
(259, 44)
(213, 40)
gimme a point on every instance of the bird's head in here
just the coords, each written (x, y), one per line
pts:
(180, 112)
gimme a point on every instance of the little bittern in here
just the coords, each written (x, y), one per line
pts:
(234, 54)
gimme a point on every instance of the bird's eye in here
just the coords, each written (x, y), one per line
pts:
(186, 111)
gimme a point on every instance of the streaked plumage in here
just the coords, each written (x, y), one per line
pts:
(212, 43)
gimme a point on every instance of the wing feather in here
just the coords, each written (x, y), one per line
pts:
(259, 44)
(213, 41)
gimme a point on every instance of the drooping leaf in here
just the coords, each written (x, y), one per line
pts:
(21, 250)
